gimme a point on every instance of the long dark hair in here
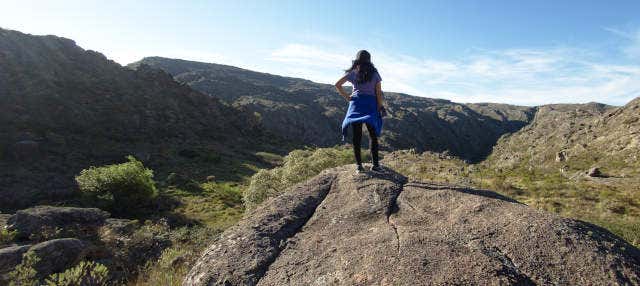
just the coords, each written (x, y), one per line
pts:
(366, 70)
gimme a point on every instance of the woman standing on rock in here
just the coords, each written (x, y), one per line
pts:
(365, 105)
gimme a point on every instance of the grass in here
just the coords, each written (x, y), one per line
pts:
(612, 203)
(209, 202)
(216, 205)
(175, 262)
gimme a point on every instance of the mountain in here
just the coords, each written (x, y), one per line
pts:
(311, 113)
(63, 108)
(575, 137)
(341, 228)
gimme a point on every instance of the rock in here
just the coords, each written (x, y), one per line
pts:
(78, 222)
(9, 258)
(25, 150)
(59, 254)
(243, 253)
(378, 229)
(594, 172)
(561, 156)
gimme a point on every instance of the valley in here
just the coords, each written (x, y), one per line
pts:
(221, 140)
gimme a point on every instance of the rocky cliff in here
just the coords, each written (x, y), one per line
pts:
(342, 228)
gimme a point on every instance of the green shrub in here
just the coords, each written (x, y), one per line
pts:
(7, 236)
(298, 166)
(121, 186)
(85, 273)
(25, 274)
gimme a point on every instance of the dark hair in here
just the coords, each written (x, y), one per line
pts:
(366, 70)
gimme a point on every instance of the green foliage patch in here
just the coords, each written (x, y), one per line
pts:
(298, 166)
(7, 236)
(120, 187)
(85, 273)
(25, 274)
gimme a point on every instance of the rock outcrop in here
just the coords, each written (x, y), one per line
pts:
(57, 255)
(342, 228)
(54, 256)
(9, 258)
(80, 222)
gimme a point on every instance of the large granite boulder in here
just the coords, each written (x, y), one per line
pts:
(54, 256)
(342, 228)
(65, 221)
(57, 255)
(9, 258)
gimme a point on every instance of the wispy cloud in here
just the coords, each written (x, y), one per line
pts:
(517, 76)
(632, 49)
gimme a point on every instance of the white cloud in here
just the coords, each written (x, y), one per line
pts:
(516, 76)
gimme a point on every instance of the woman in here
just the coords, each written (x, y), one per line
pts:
(365, 105)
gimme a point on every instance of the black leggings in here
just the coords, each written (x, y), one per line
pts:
(357, 140)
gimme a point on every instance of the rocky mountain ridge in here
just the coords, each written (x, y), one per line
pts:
(63, 108)
(311, 113)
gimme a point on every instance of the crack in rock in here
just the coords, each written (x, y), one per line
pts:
(394, 208)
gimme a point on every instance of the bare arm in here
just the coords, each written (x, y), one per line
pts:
(341, 90)
(379, 95)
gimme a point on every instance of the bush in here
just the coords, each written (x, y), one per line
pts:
(122, 186)
(298, 166)
(7, 236)
(85, 273)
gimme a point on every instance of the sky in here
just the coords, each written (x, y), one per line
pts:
(517, 52)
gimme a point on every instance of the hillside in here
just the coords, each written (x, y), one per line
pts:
(310, 113)
(578, 160)
(340, 228)
(63, 108)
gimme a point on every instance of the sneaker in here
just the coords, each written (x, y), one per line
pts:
(376, 168)
(359, 169)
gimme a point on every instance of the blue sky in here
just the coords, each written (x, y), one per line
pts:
(519, 52)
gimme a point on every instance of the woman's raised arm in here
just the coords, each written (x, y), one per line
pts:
(339, 88)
